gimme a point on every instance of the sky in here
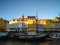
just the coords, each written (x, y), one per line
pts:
(16, 8)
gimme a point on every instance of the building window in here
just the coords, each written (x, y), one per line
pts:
(13, 19)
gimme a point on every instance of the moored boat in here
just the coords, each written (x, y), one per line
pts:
(32, 36)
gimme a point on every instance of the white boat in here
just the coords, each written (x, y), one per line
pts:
(55, 35)
(3, 35)
(32, 36)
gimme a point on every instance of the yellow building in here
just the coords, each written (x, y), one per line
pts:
(42, 21)
(31, 23)
(3, 24)
(55, 20)
(49, 25)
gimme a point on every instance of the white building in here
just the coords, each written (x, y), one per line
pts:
(20, 25)
(13, 21)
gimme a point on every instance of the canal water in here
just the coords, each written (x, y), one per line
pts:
(18, 42)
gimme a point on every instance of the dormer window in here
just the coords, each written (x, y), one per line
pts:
(13, 19)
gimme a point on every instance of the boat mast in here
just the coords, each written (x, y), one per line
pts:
(59, 15)
(23, 22)
(36, 21)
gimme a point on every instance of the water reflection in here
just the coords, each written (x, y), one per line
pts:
(22, 43)
(11, 42)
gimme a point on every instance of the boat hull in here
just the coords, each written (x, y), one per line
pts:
(32, 38)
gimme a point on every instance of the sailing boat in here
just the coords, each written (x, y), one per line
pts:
(32, 35)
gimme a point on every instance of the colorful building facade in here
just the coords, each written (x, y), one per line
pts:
(31, 22)
(3, 24)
